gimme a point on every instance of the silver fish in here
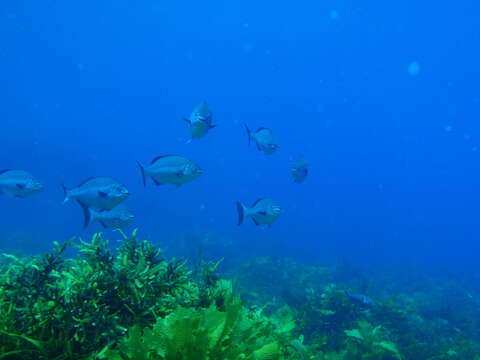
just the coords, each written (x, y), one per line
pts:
(264, 139)
(200, 120)
(300, 170)
(170, 169)
(100, 193)
(18, 183)
(263, 212)
(117, 218)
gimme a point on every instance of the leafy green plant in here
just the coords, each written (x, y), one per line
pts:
(205, 334)
(371, 342)
(57, 308)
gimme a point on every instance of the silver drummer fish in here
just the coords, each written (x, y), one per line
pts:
(170, 169)
(263, 211)
(117, 218)
(101, 193)
(300, 170)
(264, 139)
(18, 183)
(200, 120)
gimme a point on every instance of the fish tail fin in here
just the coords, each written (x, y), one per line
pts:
(87, 215)
(241, 209)
(143, 173)
(65, 193)
(249, 134)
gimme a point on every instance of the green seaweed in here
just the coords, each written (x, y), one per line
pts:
(119, 303)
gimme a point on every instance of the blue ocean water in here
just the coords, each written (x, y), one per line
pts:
(380, 97)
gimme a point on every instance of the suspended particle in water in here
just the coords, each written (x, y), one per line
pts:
(448, 128)
(320, 108)
(333, 14)
(467, 136)
(475, 149)
(413, 68)
(247, 48)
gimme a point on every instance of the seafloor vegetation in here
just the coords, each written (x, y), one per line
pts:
(135, 304)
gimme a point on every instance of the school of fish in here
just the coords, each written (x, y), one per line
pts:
(102, 198)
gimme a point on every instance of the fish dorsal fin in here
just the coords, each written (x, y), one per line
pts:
(86, 180)
(159, 157)
(4, 171)
(256, 202)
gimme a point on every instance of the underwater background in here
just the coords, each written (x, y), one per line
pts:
(381, 98)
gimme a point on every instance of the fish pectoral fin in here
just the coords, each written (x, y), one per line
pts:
(156, 182)
(263, 213)
(179, 174)
(212, 126)
(102, 193)
(187, 121)
(20, 186)
(255, 221)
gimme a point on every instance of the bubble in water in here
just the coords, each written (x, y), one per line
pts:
(413, 68)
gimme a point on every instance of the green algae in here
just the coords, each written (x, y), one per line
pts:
(134, 303)
(131, 303)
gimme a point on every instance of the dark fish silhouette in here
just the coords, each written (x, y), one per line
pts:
(300, 170)
(360, 299)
